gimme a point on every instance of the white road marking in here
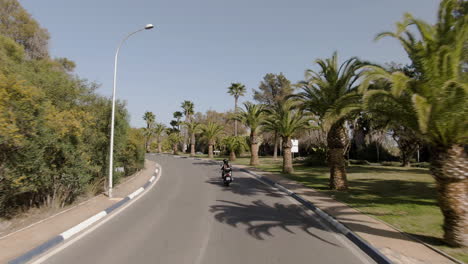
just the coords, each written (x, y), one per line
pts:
(135, 193)
(70, 232)
(91, 229)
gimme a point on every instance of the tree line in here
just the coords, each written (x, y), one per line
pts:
(54, 127)
(423, 104)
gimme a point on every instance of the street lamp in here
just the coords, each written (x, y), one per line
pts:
(111, 151)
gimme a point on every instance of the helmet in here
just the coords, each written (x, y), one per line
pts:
(225, 161)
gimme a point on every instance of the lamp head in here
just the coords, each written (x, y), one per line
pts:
(149, 26)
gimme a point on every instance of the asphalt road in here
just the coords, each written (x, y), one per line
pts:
(190, 217)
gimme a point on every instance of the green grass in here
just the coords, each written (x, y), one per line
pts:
(402, 197)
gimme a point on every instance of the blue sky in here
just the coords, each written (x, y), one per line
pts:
(199, 47)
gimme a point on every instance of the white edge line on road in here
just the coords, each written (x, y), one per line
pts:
(91, 229)
(135, 193)
(70, 232)
(43, 220)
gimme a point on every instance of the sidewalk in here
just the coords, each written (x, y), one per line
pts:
(17, 243)
(397, 246)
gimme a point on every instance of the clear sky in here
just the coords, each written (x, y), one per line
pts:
(200, 46)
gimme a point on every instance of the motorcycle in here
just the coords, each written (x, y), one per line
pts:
(226, 174)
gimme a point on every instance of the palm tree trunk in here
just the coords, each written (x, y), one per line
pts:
(337, 141)
(275, 150)
(192, 145)
(232, 155)
(174, 149)
(449, 168)
(159, 147)
(210, 151)
(235, 121)
(287, 156)
(254, 161)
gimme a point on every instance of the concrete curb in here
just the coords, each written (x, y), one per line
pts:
(371, 251)
(42, 248)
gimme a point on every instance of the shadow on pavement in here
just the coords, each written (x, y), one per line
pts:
(205, 163)
(261, 218)
(246, 186)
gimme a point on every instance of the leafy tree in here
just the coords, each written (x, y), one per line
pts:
(438, 105)
(331, 95)
(17, 24)
(252, 117)
(211, 132)
(236, 90)
(274, 89)
(288, 119)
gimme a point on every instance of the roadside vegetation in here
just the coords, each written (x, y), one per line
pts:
(54, 127)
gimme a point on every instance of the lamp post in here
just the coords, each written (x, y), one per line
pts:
(111, 151)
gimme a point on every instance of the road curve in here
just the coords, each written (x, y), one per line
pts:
(189, 217)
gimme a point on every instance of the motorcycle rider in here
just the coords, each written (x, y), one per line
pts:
(225, 167)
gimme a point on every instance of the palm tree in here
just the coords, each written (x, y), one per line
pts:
(188, 108)
(178, 115)
(211, 131)
(234, 144)
(331, 95)
(252, 117)
(150, 118)
(193, 128)
(237, 90)
(159, 129)
(438, 105)
(174, 139)
(288, 119)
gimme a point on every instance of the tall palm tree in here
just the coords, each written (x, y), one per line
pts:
(211, 131)
(237, 90)
(252, 117)
(331, 95)
(150, 118)
(159, 129)
(188, 108)
(193, 128)
(288, 119)
(437, 107)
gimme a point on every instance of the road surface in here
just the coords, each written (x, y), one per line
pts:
(190, 217)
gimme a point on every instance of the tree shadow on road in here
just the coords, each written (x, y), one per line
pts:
(247, 187)
(261, 218)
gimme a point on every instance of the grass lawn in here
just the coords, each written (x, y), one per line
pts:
(402, 197)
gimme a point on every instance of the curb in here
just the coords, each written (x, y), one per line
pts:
(371, 251)
(42, 248)
(367, 248)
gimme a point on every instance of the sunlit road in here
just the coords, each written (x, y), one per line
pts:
(190, 217)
